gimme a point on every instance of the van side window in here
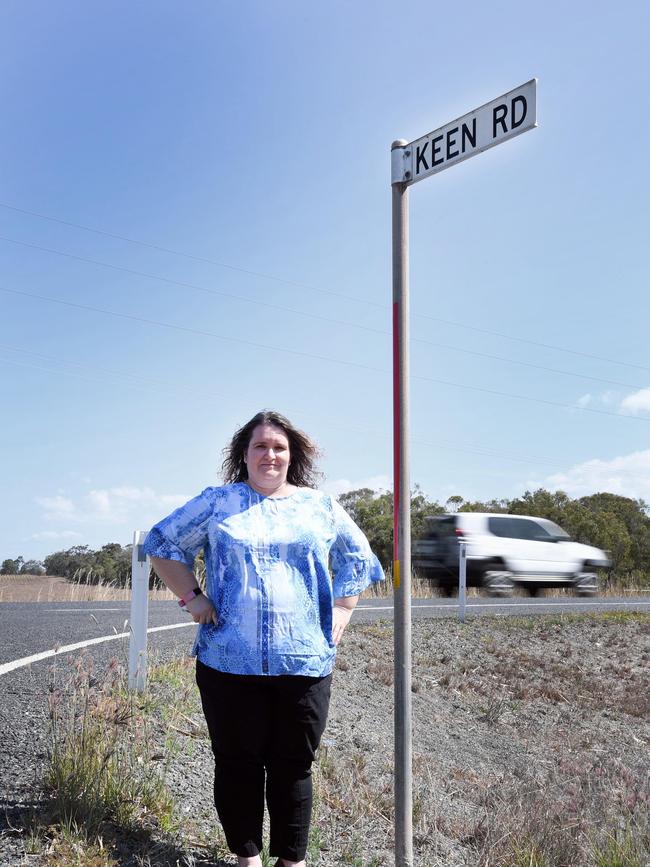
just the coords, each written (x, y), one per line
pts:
(502, 527)
(518, 528)
(533, 531)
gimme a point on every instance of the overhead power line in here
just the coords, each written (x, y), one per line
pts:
(148, 384)
(193, 258)
(158, 388)
(136, 378)
(145, 383)
(312, 288)
(328, 319)
(187, 329)
(552, 346)
(295, 352)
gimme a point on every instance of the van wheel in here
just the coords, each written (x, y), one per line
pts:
(533, 591)
(498, 583)
(586, 584)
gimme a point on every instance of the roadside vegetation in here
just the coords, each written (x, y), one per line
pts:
(51, 588)
(616, 524)
(105, 800)
(531, 740)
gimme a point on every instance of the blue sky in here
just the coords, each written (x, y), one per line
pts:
(247, 148)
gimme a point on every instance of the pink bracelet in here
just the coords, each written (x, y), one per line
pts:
(188, 596)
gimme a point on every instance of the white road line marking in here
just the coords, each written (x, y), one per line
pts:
(452, 606)
(67, 610)
(6, 667)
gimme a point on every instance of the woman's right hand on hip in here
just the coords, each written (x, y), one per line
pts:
(202, 610)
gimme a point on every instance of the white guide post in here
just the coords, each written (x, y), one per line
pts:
(139, 614)
(462, 580)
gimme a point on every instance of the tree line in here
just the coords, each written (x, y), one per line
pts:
(110, 564)
(616, 524)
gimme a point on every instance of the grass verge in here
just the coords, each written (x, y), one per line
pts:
(104, 780)
(553, 788)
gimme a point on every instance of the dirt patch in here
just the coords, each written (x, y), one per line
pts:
(530, 740)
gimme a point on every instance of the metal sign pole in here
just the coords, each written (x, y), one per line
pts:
(402, 530)
(494, 122)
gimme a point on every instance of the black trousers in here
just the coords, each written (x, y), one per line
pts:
(264, 730)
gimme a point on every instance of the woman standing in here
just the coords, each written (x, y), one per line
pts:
(271, 618)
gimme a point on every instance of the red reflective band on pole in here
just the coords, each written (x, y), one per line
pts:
(396, 445)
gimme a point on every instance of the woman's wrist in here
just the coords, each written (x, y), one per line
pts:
(187, 597)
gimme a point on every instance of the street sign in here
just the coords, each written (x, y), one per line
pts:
(487, 126)
(496, 121)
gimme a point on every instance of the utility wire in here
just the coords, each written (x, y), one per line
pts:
(448, 445)
(193, 258)
(328, 319)
(188, 329)
(147, 384)
(535, 342)
(328, 359)
(138, 378)
(313, 288)
(80, 375)
(150, 380)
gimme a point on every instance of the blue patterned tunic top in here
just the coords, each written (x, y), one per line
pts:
(267, 565)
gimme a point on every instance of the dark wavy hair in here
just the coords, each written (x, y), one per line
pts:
(302, 471)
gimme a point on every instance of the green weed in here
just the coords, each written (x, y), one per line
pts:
(103, 767)
(619, 850)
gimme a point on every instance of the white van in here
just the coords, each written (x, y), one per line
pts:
(504, 551)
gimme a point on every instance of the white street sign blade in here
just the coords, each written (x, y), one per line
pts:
(495, 122)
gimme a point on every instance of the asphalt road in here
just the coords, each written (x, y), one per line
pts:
(32, 628)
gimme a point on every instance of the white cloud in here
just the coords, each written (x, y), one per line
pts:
(633, 404)
(57, 508)
(626, 475)
(636, 403)
(118, 505)
(49, 535)
(605, 398)
(341, 486)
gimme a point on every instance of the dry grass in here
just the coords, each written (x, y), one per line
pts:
(576, 802)
(102, 764)
(104, 781)
(422, 588)
(52, 588)
(531, 739)
(530, 746)
(585, 812)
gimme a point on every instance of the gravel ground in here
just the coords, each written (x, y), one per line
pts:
(527, 733)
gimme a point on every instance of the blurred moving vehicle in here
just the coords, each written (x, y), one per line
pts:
(504, 552)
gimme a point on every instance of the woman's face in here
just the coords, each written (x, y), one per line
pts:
(267, 457)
